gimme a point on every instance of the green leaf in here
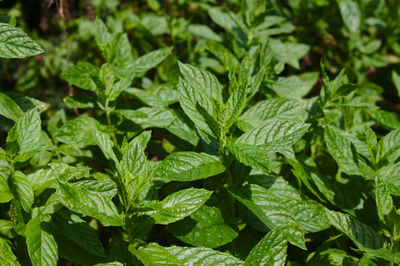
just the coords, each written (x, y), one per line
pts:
(89, 200)
(230, 22)
(7, 257)
(144, 63)
(149, 97)
(274, 133)
(205, 227)
(276, 108)
(23, 190)
(182, 127)
(386, 119)
(271, 250)
(203, 256)
(42, 247)
(79, 131)
(154, 254)
(5, 192)
(384, 202)
(6, 228)
(134, 159)
(202, 81)
(396, 81)
(389, 145)
(342, 150)
(9, 108)
(235, 105)
(80, 101)
(148, 117)
(77, 230)
(361, 234)
(289, 53)
(178, 205)
(134, 165)
(103, 36)
(81, 74)
(332, 256)
(390, 175)
(255, 146)
(223, 55)
(14, 43)
(351, 14)
(204, 32)
(26, 132)
(294, 87)
(191, 101)
(274, 189)
(106, 145)
(189, 166)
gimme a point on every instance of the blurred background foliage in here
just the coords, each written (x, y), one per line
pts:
(365, 41)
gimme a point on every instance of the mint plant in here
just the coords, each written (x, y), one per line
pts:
(202, 134)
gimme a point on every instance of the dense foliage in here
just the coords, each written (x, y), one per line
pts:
(177, 132)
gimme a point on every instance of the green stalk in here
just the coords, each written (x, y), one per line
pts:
(108, 116)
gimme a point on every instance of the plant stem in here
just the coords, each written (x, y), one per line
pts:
(108, 116)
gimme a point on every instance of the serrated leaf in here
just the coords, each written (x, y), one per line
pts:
(276, 108)
(190, 100)
(342, 150)
(42, 247)
(106, 145)
(274, 133)
(254, 147)
(71, 252)
(331, 256)
(182, 127)
(80, 101)
(103, 36)
(203, 256)
(134, 160)
(384, 202)
(294, 87)
(78, 131)
(189, 166)
(205, 227)
(26, 132)
(7, 257)
(178, 205)
(77, 230)
(223, 54)
(5, 192)
(274, 207)
(149, 97)
(134, 166)
(386, 119)
(23, 190)
(361, 234)
(144, 63)
(9, 108)
(271, 250)
(202, 81)
(389, 146)
(154, 254)
(80, 75)
(289, 53)
(148, 117)
(14, 43)
(88, 201)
